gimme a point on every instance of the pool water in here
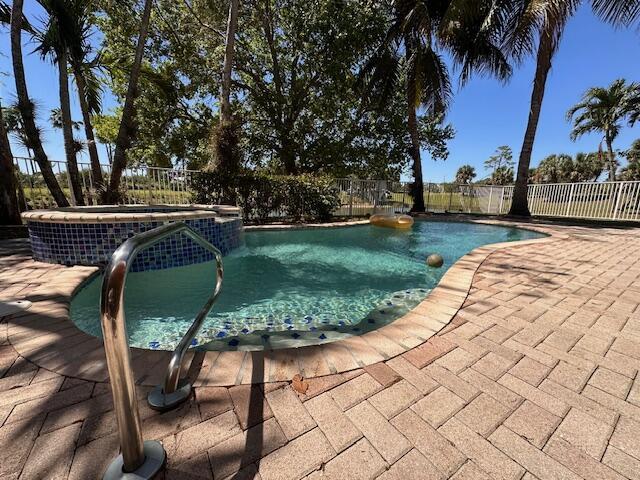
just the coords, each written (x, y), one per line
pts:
(293, 288)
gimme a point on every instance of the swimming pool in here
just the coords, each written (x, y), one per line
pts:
(293, 287)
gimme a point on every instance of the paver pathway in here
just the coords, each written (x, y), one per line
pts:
(535, 377)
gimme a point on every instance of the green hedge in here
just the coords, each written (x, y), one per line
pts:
(262, 196)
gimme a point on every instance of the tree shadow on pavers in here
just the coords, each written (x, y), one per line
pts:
(251, 453)
(22, 422)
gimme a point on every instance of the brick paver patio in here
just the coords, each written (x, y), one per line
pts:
(536, 376)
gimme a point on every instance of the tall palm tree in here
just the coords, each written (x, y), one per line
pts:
(542, 22)
(127, 128)
(410, 53)
(25, 106)
(84, 73)
(603, 109)
(53, 44)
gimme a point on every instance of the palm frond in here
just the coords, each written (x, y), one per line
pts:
(617, 12)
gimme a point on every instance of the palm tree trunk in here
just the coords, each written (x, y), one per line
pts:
(96, 170)
(126, 132)
(612, 158)
(225, 89)
(9, 211)
(67, 129)
(519, 205)
(26, 108)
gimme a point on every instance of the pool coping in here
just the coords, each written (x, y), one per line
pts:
(118, 214)
(61, 347)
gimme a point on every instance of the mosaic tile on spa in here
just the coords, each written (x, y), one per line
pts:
(94, 243)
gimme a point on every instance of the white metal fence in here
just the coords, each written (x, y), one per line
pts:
(152, 185)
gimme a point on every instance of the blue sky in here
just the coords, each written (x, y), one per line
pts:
(485, 113)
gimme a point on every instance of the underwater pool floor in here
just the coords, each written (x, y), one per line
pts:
(294, 288)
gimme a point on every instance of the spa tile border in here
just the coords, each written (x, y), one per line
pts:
(46, 336)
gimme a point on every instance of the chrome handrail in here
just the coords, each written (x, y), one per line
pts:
(144, 458)
(173, 392)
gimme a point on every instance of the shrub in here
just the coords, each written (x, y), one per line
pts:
(262, 196)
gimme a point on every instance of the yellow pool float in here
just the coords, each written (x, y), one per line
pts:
(403, 222)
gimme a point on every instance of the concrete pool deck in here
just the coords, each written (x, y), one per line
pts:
(533, 375)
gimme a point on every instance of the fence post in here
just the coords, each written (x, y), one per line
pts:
(618, 197)
(350, 197)
(450, 198)
(375, 196)
(72, 195)
(490, 198)
(501, 201)
(570, 200)
(426, 207)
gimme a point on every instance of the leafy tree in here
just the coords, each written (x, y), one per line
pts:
(541, 23)
(603, 110)
(25, 107)
(501, 159)
(410, 51)
(106, 129)
(465, 174)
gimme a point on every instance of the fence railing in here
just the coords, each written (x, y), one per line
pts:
(153, 185)
(139, 184)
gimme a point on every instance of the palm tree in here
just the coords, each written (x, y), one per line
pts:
(126, 130)
(546, 19)
(53, 44)
(603, 110)
(465, 174)
(9, 211)
(84, 73)
(409, 54)
(25, 106)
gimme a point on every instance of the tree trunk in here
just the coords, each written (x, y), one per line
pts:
(9, 211)
(67, 130)
(519, 204)
(288, 155)
(26, 108)
(417, 189)
(126, 131)
(612, 158)
(225, 89)
(96, 170)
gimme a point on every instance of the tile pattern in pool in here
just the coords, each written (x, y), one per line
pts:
(93, 243)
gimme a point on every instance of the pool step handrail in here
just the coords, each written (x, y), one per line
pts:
(142, 459)
(174, 391)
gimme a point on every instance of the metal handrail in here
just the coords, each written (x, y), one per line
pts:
(173, 392)
(143, 458)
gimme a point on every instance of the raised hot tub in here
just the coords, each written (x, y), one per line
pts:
(89, 235)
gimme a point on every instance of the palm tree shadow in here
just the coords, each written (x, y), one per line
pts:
(255, 435)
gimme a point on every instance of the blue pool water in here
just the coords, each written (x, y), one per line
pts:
(293, 288)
